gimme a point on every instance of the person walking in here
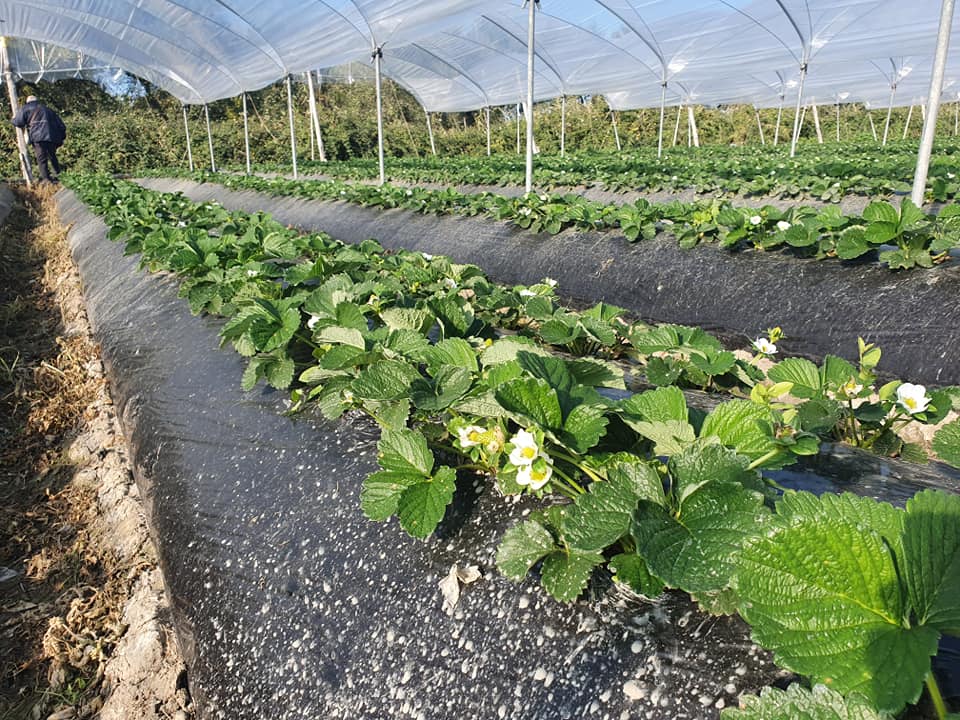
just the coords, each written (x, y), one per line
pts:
(46, 133)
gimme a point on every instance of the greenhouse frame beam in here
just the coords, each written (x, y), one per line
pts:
(886, 125)
(206, 116)
(246, 132)
(15, 108)
(796, 116)
(906, 125)
(486, 112)
(563, 125)
(186, 128)
(293, 134)
(433, 145)
(531, 56)
(776, 130)
(676, 127)
(616, 130)
(933, 103)
(756, 112)
(873, 128)
(663, 110)
(378, 81)
(816, 122)
(315, 117)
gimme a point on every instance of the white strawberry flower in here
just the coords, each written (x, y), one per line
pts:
(526, 293)
(544, 198)
(764, 346)
(537, 474)
(312, 322)
(783, 226)
(550, 281)
(755, 219)
(426, 256)
(851, 388)
(525, 449)
(525, 211)
(471, 436)
(450, 283)
(912, 398)
(252, 273)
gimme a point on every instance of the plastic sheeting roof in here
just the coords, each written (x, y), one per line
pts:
(466, 54)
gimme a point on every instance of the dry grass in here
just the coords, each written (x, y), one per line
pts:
(61, 616)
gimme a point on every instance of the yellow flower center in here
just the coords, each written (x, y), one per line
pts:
(473, 436)
(910, 403)
(529, 452)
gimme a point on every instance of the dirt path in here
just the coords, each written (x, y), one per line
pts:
(83, 616)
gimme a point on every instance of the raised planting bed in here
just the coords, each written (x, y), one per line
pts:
(260, 512)
(823, 307)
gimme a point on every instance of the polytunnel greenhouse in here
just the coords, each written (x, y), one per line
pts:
(534, 360)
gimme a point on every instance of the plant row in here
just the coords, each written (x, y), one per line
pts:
(903, 237)
(826, 173)
(639, 485)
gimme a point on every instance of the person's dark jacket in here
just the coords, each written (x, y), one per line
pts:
(43, 124)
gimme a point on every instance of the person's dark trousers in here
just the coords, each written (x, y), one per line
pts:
(46, 152)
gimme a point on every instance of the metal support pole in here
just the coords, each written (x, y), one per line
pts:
(873, 128)
(15, 108)
(838, 121)
(956, 117)
(433, 145)
(206, 116)
(186, 128)
(933, 103)
(378, 80)
(663, 100)
(616, 130)
(313, 155)
(886, 125)
(293, 134)
(816, 122)
(694, 133)
(796, 115)
(487, 114)
(315, 118)
(776, 132)
(759, 126)
(906, 125)
(676, 127)
(531, 32)
(246, 133)
(563, 125)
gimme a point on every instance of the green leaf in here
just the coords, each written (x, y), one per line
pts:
(602, 516)
(820, 414)
(739, 425)
(696, 549)
(275, 332)
(583, 428)
(521, 547)
(881, 212)
(852, 243)
(660, 405)
(507, 349)
(669, 437)
(836, 372)
(663, 372)
(714, 364)
(407, 319)
(454, 351)
(385, 380)
(531, 400)
(565, 573)
(381, 493)
(931, 545)
(596, 373)
(449, 385)
(804, 375)
(706, 462)
(422, 506)
(549, 368)
(823, 593)
(342, 336)
(405, 452)
(632, 571)
(798, 703)
(946, 443)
